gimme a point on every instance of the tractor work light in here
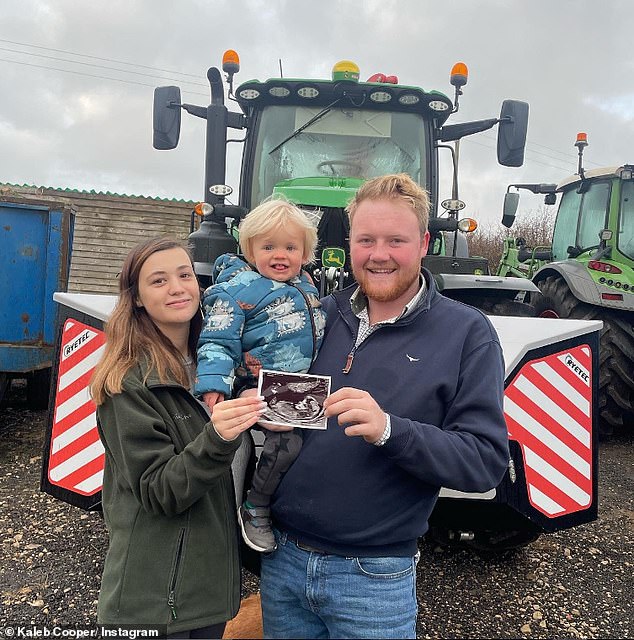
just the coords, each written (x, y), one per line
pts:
(438, 105)
(223, 190)
(249, 94)
(308, 92)
(453, 205)
(380, 96)
(626, 174)
(279, 92)
(408, 98)
(345, 70)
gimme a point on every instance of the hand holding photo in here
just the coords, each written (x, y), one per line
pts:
(293, 399)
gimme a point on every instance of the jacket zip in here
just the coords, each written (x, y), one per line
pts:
(309, 308)
(171, 598)
(355, 347)
(349, 360)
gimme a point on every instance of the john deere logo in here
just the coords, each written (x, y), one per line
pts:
(333, 257)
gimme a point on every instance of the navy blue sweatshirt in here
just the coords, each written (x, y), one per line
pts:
(439, 373)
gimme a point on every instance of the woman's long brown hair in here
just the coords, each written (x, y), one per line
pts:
(132, 336)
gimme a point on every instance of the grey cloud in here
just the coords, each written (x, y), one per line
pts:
(569, 59)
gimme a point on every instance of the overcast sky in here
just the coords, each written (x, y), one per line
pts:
(77, 79)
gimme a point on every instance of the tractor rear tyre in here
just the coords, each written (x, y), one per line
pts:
(616, 368)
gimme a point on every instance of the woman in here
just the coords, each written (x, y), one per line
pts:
(167, 495)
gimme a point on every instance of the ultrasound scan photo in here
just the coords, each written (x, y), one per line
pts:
(294, 399)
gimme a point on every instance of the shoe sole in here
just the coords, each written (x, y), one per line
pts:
(248, 542)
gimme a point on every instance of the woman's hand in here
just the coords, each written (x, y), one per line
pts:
(231, 417)
(250, 393)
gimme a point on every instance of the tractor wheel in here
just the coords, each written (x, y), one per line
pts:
(616, 354)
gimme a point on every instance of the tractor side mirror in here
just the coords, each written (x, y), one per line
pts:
(550, 198)
(512, 133)
(511, 200)
(166, 117)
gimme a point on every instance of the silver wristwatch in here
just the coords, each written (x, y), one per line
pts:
(387, 432)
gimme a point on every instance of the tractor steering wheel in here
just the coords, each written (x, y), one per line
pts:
(357, 169)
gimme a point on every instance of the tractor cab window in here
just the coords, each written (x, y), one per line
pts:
(565, 232)
(625, 240)
(594, 210)
(344, 142)
(580, 218)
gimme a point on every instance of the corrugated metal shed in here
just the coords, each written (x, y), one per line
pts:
(107, 226)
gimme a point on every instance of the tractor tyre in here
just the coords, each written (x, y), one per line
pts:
(616, 353)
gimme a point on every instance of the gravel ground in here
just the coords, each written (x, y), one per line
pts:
(574, 584)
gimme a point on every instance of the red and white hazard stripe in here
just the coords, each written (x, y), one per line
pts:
(76, 455)
(548, 410)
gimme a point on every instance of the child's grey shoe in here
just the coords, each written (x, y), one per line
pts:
(255, 523)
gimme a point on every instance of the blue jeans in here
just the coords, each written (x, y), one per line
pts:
(315, 595)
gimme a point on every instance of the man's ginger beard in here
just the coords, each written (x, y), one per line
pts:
(381, 292)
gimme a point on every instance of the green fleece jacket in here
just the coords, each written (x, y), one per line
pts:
(169, 508)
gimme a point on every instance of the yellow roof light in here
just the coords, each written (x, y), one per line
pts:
(345, 70)
(230, 61)
(459, 74)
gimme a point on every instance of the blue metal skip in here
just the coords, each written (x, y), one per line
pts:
(35, 247)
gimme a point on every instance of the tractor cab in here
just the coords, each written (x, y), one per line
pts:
(596, 216)
(315, 142)
(594, 229)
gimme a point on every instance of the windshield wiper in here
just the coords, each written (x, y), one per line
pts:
(314, 119)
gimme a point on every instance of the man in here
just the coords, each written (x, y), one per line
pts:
(417, 383)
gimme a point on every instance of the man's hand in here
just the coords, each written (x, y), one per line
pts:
(213, 397)
(359, 410)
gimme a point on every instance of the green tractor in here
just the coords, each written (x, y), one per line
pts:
(588, 272)
(315, 141)
(518, 260)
